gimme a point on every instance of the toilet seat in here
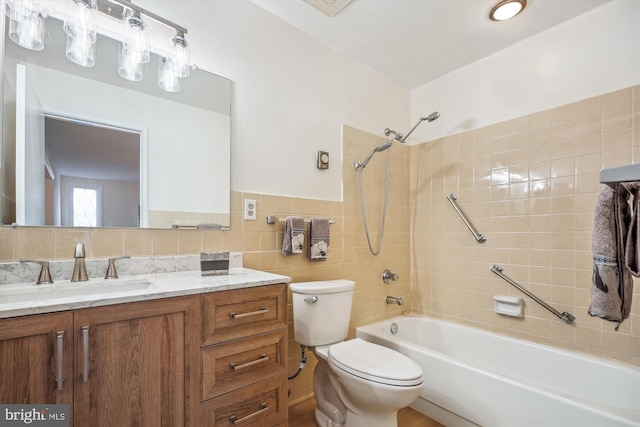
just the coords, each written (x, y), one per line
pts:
(375, 363)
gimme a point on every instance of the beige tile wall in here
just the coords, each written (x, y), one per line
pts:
(530, 186)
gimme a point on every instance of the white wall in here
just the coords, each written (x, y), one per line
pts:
(595, 53)
(291, 95)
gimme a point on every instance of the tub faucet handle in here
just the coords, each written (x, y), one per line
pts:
(388, 276)
(44, 278)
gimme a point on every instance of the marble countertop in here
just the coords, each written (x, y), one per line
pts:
(21, 299)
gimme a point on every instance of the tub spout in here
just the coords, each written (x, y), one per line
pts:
(394, 300)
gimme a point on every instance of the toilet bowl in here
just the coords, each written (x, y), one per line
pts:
(356, 383)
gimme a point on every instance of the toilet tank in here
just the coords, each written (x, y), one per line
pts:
(321, 311)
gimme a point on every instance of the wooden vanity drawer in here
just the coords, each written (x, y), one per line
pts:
(229, 315)
(261, 405)
(236, 364)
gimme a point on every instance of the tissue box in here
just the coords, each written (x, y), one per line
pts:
(214, 263)
(235, 262)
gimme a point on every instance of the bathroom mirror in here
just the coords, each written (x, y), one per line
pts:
(143, 157)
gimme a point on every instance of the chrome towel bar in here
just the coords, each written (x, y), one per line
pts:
(479, 237)
(565, 317)
(272, 220)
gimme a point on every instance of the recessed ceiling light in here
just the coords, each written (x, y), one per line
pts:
(507, 9)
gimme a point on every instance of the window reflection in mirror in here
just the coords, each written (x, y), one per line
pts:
(92, 174)
(183, 140)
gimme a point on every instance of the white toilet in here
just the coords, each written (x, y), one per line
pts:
(356, 383)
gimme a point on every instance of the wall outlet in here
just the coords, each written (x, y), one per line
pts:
(250, 209)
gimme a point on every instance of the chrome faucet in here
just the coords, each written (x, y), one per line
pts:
(394, 300)
(79, 268)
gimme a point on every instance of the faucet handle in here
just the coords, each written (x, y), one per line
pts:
(388, 276)
(111, 268)
(44, 278)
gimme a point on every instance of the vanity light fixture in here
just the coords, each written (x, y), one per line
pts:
(26, 28)
(507, 9)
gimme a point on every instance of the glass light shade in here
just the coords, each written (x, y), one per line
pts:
(168, 79)
(81, 36)
(133, 51)
(180, 57)
(26, 24)
(81, 50)
(129, 67)
(135, 42)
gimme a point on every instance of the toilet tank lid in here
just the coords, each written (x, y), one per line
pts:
(323, 287)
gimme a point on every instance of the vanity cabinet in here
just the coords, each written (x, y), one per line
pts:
(243, 356)
(133, 364)
(36, 359)
(211, 360)
(136, 364)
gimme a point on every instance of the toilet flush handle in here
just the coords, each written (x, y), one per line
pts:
(313, 299)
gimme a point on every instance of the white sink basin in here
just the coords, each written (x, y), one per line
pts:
(22, 293)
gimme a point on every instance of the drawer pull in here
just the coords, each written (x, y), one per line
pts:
(263, 408)
(263, 358)
(60, 364)
(262, 310)
(85, 354)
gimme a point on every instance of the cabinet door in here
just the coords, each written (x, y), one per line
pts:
(136, 364)
(35, 352)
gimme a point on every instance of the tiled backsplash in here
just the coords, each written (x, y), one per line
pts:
(18, 272)
(528, 184)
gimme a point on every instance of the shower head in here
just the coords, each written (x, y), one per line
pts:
(431, 117)
(396, 137)
(380, 148)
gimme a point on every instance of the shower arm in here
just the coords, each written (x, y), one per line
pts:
(403, 139)
(431, 117)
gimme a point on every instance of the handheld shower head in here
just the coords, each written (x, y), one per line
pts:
(380, 148)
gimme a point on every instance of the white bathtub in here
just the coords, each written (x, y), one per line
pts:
(474, 377)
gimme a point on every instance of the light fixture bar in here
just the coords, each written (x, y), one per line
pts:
(126, 4)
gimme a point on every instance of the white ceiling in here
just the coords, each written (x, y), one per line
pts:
(416, 41)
